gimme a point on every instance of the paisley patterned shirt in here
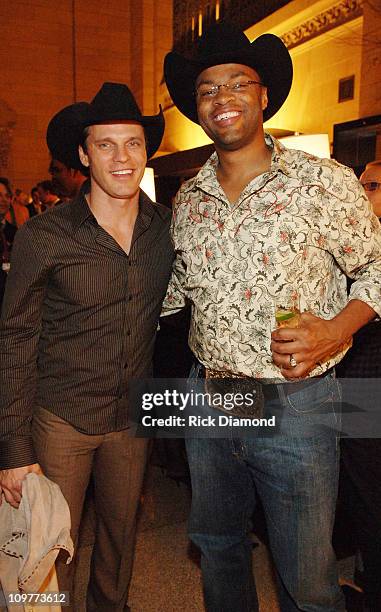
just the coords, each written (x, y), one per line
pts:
(305, 224)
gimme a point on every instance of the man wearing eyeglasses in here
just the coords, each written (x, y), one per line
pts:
(257, 219)
(371, 181)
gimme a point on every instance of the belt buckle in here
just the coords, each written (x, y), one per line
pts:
(243, 395)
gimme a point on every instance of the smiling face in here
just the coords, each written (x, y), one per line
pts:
(116, 156)
(232, 119)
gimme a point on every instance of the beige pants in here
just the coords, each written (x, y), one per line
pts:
(116, 462)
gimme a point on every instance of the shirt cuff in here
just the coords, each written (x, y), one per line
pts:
(367, 293)
(17, 452)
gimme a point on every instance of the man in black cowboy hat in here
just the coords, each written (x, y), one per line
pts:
(78, 322)
(68, 175)
(257, 220)
(67, 180)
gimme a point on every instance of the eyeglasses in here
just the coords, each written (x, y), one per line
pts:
(371, 185)
(210, 91)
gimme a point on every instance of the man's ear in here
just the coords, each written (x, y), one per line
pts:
(264, 98)
(83, 157)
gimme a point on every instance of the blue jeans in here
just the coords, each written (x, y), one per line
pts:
(295, 475)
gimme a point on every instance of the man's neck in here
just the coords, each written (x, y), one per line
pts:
(116, 216)
(238, 168)
(110, 210)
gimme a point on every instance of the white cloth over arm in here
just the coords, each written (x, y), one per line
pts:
(31, 538)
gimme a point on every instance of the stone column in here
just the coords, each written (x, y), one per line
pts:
(151, 39)
(7, 123)
(370, 96)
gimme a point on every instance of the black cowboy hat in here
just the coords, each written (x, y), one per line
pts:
(113, 102)
(223, 43)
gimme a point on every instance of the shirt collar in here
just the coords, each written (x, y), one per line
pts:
(282, 160)
(81, 212)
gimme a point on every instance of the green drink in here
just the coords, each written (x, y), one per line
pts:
(286, 317)
(287, 312)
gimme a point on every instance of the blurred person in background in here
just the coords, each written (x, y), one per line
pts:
(47, 193)
(68, 175)
(18, 212)
(21, 198)
(7, 232)
(66, 180)
(371, 181)
(34, 206)
(360, 476)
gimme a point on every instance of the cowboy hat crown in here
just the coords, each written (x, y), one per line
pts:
(209, 45)
(113, 102)
(223, 43)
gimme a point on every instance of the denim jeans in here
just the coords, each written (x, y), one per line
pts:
(295, 474)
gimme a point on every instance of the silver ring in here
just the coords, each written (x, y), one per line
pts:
(293, 362)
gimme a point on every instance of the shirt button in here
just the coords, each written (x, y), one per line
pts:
(128, 332)
(125, 365)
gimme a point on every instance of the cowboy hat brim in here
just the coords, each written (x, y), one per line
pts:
(65, 130)
(267, 55)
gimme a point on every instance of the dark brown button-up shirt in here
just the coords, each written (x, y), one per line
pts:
(78, 321)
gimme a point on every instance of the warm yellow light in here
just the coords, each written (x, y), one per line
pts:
(148, 183)
(217, 10)
(315, 144)
(184, 134)
(200, 23)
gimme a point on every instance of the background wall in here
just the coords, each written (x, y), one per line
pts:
(319, 64)
(370, 97)
(55, 52)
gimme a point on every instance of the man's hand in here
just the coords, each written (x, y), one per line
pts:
(11, 483)
(313, 342)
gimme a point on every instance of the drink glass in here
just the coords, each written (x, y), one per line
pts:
(287, 309)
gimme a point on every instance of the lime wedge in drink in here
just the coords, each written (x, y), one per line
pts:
(284, 315)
